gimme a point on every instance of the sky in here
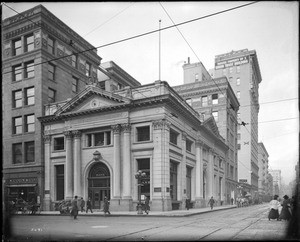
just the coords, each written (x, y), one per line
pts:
(268, 27)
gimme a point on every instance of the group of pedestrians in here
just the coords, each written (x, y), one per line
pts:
(79, 204)
(286, 208)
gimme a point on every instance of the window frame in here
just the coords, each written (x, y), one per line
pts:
(173, 133)
(52, 98)
(215, 101)
(28, 46)
(90, 140)
(238, 81)
(28, 152)
(51, 48)
(28, 124)
(29, 69)
(17, 72)
(15, 126)
(204, 104)
(75, 85)
(29, 97)
(15, 99)
(17, 50)
(60, 146)
(14, 153)
(143, 135)
(88, 69)
(51, 72)
(74, 58)
(189, 145)
(216, 117)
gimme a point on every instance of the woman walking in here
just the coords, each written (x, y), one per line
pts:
(89, 205)
(286, 209)
(274, 205)
(74, 211)
(211, 202)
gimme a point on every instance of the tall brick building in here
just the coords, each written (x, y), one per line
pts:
(38, 69)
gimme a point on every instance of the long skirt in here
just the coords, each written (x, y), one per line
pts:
(285, 214)
(273, 214)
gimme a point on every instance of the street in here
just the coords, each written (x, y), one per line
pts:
(247, 223)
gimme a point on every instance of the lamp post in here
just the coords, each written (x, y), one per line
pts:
(139, 176)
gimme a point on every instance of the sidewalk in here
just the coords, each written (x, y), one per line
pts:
(173, 213)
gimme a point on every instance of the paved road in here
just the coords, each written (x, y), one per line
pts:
(249, 223)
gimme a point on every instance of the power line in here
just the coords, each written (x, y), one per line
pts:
(109, 19)
(141, 35)
(282, 100)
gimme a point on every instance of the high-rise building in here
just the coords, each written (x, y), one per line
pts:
(214, 98)
(242, 70)
(276, 174)
(40, 65)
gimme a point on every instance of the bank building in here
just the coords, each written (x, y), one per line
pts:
(95, 142)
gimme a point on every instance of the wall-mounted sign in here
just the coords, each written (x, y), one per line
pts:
(243, 180)
(232, 62)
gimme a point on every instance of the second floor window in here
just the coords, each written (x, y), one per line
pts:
(29, 96)
(29, 123)
(204, 100)
(87, 69)
(17, 125)
(59, 143)
(29, 69)
(143, 133)
(173, 136)
(17, 99)
(74, 84)
(17, 73)
(238, 81)
(51, 95)
(51, 72)
(98, 139)
(189, 144)
(215, 99)
(17, 46)
(29, 43)
(29, 151)
(17, 153)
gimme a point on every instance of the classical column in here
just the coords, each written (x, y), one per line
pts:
(182, 173)
(68, 166)
(47, 147)
(210, 174)
(199, 180)
(77, 163)
(116, 177)
(127, 176)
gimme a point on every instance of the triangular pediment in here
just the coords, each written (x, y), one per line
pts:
(211, 125)
(92, 98)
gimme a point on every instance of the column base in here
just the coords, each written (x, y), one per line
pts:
(200, 203)
(121, 204)
(159, 204)
(47, 204)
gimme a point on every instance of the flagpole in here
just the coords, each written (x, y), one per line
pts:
(159, 52)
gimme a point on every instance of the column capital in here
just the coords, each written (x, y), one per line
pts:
(161, 124)
(68, 134)
(184, 136)
(116, 128)
(199, 143)
(47, 139)
(126, 127)
(76, 134)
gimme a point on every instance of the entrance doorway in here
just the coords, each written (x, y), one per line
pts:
(98, 185)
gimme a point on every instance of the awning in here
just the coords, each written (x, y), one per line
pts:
(22, 185)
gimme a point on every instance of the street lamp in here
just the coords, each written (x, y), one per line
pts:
(139, 176)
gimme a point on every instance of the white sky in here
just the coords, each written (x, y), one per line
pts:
(270, 28)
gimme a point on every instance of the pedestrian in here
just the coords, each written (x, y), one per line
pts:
(74, 207)
(274, 205)
(231, 201)
(89, 205)
(285, 213)
(187, 204)
(82, 204)
(211, 202)
(106, 206)
(147, 207)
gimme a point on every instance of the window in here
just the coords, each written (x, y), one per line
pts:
(224, 72)
(17, 73)
(239, 146)
(29, 69)
(173, 181)
(17, 125)
(230, 69)
(173, 136)
(196, 77)
(74, 84)
(17, 153)
(189, 101)
(230, 79)
(204, 100)
(98, 139)
(220, 163)
(87, 69)
(51, 45)
(17, 98)
(216, 115)
(51, 72)
(238, 81)
(59, 143)
(238, 69)
(29, 123)
(29, 43)
(59, 182)
(143, 133)
(29, 96)
(29, 151)
(51, 95)
(215, 99)
(238, 136)
(238, 94)
(74, 60)
(144, 165)
(188, 144)
(17, 46)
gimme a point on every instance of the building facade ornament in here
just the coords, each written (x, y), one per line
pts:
(116, 128)
(76, 134)
(184, 136)
(68, 134)
(161, 124)
(126, 127)
(46, 138)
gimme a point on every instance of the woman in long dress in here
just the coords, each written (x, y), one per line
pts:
(274, 205)
(285, 211)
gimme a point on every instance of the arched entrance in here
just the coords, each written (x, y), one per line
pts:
(98, 184)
